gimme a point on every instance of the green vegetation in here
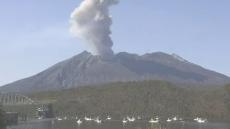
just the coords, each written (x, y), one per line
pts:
(2, 120)
(146, 98)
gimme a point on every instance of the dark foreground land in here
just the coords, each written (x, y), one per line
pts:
(71, 124)
(146, 99)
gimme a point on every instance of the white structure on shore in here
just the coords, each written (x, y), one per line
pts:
(153, 120)
(200, 120)
(79, 122)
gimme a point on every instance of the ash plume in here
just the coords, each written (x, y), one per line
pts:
(91, 21)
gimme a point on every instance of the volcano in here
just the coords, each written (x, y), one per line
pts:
(86, 69)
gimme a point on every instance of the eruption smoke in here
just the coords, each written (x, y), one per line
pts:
(91, 21)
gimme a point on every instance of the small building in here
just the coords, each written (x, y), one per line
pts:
(46, 111)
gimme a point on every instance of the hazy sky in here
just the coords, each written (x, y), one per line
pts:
(34, 33)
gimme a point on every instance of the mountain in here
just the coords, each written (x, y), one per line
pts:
(86, 69)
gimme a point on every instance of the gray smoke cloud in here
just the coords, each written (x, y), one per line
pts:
(91, 21)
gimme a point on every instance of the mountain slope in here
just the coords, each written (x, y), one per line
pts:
(86, 69)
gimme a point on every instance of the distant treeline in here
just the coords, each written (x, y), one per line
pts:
(146, 99)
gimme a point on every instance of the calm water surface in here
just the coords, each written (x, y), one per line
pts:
(53, 124)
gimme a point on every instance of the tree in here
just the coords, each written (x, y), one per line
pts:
(2, 120)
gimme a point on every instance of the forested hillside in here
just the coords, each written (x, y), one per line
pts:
(145, 98)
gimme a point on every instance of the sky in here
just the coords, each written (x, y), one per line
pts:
(34, 34)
